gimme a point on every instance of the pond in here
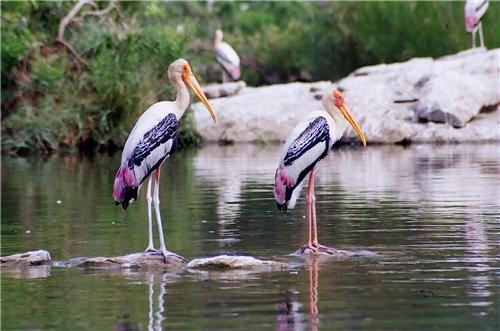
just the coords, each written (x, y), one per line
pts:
(429, 214)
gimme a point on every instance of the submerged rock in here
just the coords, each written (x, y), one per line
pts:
(38, 257)
(450, 99)
(136, 260)
(235, 262)
(308, 252)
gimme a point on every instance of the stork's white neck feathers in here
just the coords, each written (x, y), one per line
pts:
(339, 120)
(182, 98)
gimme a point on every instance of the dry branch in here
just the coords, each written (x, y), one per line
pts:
(72, 17)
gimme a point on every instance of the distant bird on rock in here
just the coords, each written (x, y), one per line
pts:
(152, 140)
(305, 147)
(474, 12)
(227, 57)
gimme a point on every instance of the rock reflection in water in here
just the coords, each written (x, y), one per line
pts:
(478, 260)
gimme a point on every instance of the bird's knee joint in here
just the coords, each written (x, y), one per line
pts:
(156, 201)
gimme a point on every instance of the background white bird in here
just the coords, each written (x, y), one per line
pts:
(474, 12)
(227, 57)
(307, 144)
(152, 140)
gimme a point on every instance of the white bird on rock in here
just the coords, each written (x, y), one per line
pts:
(307, 144)
(152, 140)
(474, 12)
(227, 57)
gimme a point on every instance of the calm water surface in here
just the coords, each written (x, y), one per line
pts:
(430, 213)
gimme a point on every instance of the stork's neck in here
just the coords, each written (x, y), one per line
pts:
(182, 99)
(339, 122)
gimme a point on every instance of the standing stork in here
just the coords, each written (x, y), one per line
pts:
(307, 144)
(227, 57)
(152, 140)
(474, 12)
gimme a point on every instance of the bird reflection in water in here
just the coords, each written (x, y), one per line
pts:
(313, 293)
(156, 318)
(156, 307)
(289, 317)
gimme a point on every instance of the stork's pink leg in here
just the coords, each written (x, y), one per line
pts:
(309, 204)
(313, 207)
(309, 212)
(149, 198)
(313, 246)
(156, 204)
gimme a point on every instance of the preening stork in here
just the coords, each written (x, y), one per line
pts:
(307, 144)
(227, 57)
(474, 12)
(152, 140)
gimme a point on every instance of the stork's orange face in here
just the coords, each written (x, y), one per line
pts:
(340, 104)
(189, 79)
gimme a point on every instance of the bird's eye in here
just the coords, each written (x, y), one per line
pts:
(185, 68)
(338, 99)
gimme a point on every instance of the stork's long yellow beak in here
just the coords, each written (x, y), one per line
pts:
(350, 118)
(193, 84)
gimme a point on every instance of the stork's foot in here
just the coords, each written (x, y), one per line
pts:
(316, 248)
(151, 249)
(166, 254)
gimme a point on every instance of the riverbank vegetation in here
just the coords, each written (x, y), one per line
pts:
(81, 81)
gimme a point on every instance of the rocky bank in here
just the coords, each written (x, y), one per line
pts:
(451, 99)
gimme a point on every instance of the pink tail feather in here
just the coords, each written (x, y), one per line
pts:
(235, 73)
(281, 182)
(124, 178)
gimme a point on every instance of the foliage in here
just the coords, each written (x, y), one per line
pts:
(51, 100)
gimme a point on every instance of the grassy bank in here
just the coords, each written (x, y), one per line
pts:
(89, 94)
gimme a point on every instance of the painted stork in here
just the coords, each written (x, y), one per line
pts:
(152, 140)
(307, 144)
(474, 12)
(227, 57)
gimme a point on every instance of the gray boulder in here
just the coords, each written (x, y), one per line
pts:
(38, 257)
(223, 90)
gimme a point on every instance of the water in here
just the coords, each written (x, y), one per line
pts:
(430, 213)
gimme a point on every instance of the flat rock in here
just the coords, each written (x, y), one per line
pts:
(213, 91)
(452, 99)
(38, 257)
(236, 262)
(136, 260)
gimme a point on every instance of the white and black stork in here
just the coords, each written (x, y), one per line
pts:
(474, 12)
(305, 147)
(152, 140)
(227, 57)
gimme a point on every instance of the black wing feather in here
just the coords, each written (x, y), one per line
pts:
(317, 132)
(165, 130)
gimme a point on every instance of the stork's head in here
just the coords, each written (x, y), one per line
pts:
(336, 106)
(180, 72)
(218, 36)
